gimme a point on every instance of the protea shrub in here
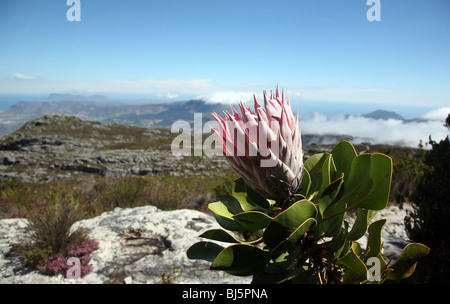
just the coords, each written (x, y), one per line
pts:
(264, 145)
(296, 210)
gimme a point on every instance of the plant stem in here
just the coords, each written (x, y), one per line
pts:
(320, 279)
(337, 213)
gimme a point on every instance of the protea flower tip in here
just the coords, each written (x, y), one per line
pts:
(264, 146)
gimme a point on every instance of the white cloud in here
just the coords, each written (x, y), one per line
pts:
(19, 76)
(390, 132)
(168, 95)
(439, 114)
(227, 97)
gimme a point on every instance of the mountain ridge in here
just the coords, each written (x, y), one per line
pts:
(154, 115)
(149, 115)
(383, 114)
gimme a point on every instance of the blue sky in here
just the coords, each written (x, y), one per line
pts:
(324, 51)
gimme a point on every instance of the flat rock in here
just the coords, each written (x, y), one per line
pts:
(138, 245)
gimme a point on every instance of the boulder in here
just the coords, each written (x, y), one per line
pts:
(136, 245)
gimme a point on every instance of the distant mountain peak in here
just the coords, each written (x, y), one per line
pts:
(383, 114)
(72, 97)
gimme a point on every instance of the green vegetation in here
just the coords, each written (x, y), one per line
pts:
(51, 239)
(52, 209)
(304, 236)
(94, 196)
(429, 222)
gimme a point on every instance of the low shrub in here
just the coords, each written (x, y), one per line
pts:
(51, 222)
(52, 241)
(429, 223)
(14, 198)
(59, 264)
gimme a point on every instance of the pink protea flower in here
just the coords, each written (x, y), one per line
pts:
(264, 146)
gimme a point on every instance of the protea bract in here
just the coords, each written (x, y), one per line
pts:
(264, 146)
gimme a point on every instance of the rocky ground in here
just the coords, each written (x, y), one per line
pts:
(60, 147)
(147, 245)
(136, 245)
(57, 147)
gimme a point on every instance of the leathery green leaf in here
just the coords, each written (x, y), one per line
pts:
(374, 244)
(293, 238)
(238, 187)
(207, 251)
(343, 155)
(252, 220)
(233, 205)
(360, 226)
(257, 199)
(223, 216)
(318, 167)
(406, 263)
(305, 183)
(381, 176)
(358, 183)
(356, 270)
(286, 222)
(330, 194)
(241, 260)
(290, 201)
(219, 235)
(248, 198)
(332, 226)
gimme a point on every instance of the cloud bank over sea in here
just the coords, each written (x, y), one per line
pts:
(379, 131)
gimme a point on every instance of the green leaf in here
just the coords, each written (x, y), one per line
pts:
(356, 270)
(248, 198)
(332, 226)
(406, 263)
(292, 239)
(381, 175)
(358, 183)
(207, 251)
(339, 243)
(356, 248)
(318, 167)
(239, 193)
(374, 244)
(286, 222)
(223, 216)
(300, 231)
(360, 226)
(241, 260)
(368, 184)
(257, 199)
(331, 194)
(305, 183)
(343, 155)
(252, 220)
(238, 187)
(219, 235)
(233, 205)
(289, 202)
